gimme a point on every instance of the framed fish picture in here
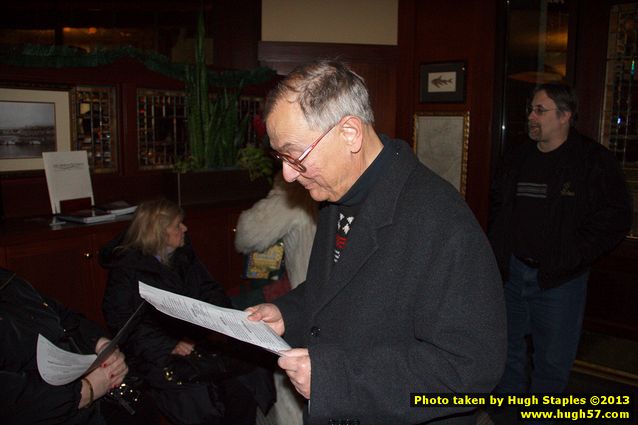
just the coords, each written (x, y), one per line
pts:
(442, 82)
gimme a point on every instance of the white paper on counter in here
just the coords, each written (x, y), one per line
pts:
(68, 177)
(233, 323)
(59, 367)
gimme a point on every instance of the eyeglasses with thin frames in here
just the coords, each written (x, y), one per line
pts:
(538, 109)
(296, 164)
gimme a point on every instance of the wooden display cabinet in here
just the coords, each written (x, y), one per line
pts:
(63, 263)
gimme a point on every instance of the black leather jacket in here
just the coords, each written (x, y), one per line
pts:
(589, 209)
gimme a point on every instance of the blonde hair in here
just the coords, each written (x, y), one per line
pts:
(147, 232)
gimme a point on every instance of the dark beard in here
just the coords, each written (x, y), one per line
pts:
(534, 131)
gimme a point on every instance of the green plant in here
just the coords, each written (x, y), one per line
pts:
(256, 161)
(216, 132)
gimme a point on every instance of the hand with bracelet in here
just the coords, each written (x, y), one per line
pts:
(100, 381)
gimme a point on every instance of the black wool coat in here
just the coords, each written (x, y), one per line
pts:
(414, 304)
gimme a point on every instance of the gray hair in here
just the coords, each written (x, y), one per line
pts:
(326, 91)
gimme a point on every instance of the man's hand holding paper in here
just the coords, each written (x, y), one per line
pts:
(233, 323)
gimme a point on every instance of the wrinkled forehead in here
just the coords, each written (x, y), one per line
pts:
(286, 126)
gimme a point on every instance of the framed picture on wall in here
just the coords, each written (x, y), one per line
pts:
(32, 121)
(441, 142)
(442, 82)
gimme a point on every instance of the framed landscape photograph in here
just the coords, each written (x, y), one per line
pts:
(32, 121)
(441, 142)
(442, 82)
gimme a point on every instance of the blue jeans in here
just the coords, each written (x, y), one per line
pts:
(553, 317)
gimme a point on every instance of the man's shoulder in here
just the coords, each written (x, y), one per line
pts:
(590, 148)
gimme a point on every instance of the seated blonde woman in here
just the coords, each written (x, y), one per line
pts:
(155, 250)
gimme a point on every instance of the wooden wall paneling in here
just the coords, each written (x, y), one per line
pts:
(59, 268)
(407, 85)
(377, 64)
(236, 30)
(590, 62)
(480, 95)
(25, 197)
(453, 31)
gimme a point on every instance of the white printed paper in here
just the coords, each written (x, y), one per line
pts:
(68, 177)
(59, 367)
(233, 323)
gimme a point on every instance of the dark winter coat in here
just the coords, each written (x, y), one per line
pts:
(24, 397)
(588, 213)
(414, 304)
(154, 335)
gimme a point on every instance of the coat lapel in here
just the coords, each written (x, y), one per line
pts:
(376, 213)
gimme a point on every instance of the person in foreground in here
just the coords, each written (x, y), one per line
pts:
(161, 349)
(25, 398)
(558, 202)
(402, 293)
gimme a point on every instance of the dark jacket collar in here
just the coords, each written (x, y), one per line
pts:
(378, 211)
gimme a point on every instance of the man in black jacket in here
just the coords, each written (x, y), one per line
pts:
(402, 293)
(557, 204)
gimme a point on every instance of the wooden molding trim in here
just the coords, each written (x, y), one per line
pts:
(280, 55)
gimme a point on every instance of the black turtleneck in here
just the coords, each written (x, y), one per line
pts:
(350, 204)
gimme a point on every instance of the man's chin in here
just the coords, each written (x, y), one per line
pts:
(534, 135)
(317, 194)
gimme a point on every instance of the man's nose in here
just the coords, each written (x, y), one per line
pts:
(289, 173)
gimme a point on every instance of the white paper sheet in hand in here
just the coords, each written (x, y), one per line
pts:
(233, 323)
(59, 367)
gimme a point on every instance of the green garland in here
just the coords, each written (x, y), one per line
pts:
(36, 55)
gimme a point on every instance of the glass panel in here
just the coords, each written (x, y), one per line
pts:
(162, 131)
(94, 126)
(619, 120)
(536, 52)
(161, 123)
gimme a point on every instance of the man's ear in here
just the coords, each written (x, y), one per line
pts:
(352, 131)
(565, 117)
